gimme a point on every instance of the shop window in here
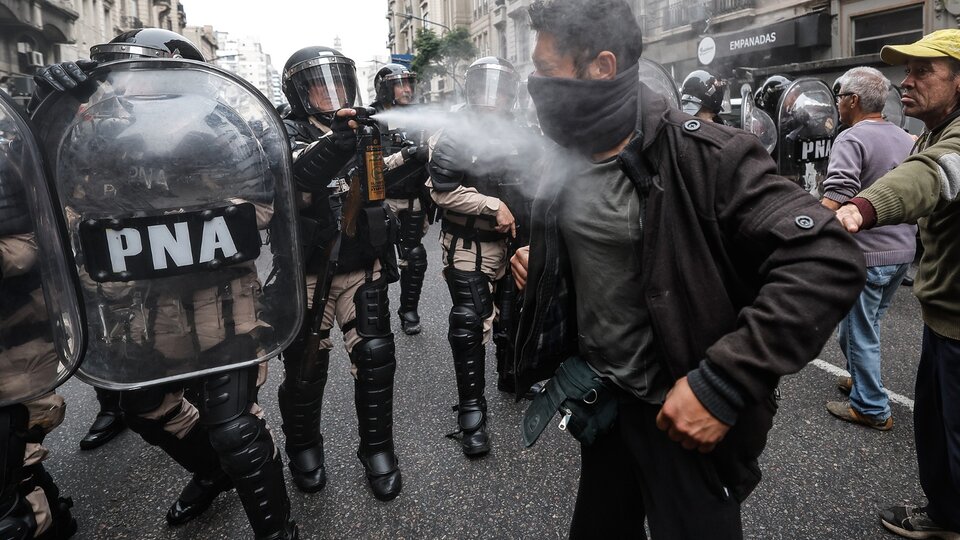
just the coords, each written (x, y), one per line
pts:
(895, 27)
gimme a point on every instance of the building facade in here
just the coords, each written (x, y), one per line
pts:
(744, 41)
(244, 57)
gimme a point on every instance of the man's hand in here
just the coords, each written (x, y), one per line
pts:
(64, 76)
(687, 422)
(505, 220)
(850, 218)
(344, 130)
(518, 266)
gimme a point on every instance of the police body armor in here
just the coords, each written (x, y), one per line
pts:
(175, 181)
(42, 328)
(807, 124)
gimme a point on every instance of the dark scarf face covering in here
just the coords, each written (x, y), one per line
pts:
(589, 116)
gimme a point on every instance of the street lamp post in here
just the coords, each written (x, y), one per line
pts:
(409, 16)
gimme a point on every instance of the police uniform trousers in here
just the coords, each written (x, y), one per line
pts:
(358, 302)
(223, 438)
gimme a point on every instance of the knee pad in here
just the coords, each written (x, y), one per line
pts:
(375, 360)
(417, 258)
(470, 289)
(243, 444)
(466, 328)
(373, 310)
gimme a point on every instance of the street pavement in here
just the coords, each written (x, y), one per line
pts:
(823, 478)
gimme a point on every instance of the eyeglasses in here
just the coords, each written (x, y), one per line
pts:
(843, 95)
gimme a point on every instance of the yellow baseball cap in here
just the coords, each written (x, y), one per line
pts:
(937, 44)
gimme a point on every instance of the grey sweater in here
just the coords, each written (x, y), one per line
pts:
(861, 155)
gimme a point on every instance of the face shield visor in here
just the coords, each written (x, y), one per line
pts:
(325, 85)
(401, 88)
(492, 86)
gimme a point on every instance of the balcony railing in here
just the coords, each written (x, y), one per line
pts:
(726, 6)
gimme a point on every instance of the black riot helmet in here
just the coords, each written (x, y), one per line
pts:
(492, 83)
(146, 43)
(319, 81)
(768, 95)
(702, 89)
(393, 77)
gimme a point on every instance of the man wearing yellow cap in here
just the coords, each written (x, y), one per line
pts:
(924, 189)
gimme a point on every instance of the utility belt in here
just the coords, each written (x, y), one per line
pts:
(470, 232)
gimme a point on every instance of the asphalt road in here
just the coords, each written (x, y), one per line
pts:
(823, 478)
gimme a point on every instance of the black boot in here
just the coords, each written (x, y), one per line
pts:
(195, 454)
(301, 402)
(373, 393)
(108, 423)
(472, 420)
(411, 285)
(469, 356)
(197, 496)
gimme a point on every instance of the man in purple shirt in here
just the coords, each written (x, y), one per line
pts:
(862, 154)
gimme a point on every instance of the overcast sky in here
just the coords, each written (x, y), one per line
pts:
(284, 26)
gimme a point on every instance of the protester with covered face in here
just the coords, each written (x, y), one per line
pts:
(861, 154)
(673, 279)
(924, 190)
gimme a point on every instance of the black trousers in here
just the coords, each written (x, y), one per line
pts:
(936, 427)
(636, 472)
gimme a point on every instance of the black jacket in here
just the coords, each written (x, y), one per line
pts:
(745, 275)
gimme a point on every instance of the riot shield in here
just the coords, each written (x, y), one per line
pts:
(807, 121)
(41, 325)
(893, 108)
(175, 181)
(754, 120)
(659, 80)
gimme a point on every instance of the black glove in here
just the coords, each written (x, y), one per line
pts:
(447, 165)
(419, 152)
(64, 76)
(344, 136)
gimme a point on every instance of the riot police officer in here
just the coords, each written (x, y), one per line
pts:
(41, 337)
(476, 182)
(347, 276)
(205, 320)
(702, 95)
(405, 160)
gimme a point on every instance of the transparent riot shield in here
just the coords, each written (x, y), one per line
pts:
(893, 109)
(41, 324)
(754, 120)
(807, 123)
(174, 179)
(659, 80)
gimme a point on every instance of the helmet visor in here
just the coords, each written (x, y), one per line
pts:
(326, 87)
(492, 86)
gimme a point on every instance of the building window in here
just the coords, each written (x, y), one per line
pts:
(895, 27)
